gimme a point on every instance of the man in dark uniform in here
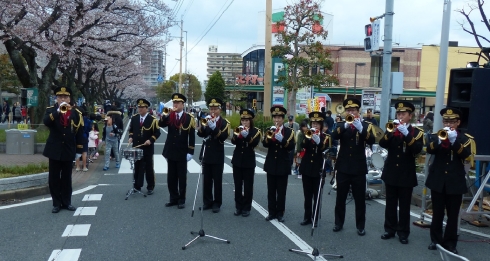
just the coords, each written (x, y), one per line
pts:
(278, 163)
(178, 149)
(403, 143)
(144, 131)
(312, 167)
(215, 133)
(65, 141)
(446, 179)
(351, 164)
(244, 163)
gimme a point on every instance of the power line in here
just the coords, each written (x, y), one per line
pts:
(211, 27)
(177, 7)
(187, 8)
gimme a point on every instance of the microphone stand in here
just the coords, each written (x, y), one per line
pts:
(201, 232)
(315, 252)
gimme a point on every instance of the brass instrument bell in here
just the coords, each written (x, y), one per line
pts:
(349, 118)
(63, 108)
(270, 133)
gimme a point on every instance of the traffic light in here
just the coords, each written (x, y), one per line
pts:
(371, 41)
(254, 103)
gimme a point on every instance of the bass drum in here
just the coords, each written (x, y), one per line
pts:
(378, 158)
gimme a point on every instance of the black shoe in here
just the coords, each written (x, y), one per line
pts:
(270, 217)
(387, 235)
(181, 206)
(432, 246)
(169, 204)
(337, 228)
(238, 212)
(305, 222)
(245, 213)
(206, 207)
(280, 219)
(150, 192)
(403, 240)
(216, 209)
(361, 232)
(55, 210)
(69, 207)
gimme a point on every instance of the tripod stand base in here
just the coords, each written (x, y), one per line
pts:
(134, 191)
(315, 253)
(421, 223)
(201, 233)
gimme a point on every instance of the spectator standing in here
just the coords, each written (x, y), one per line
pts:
(93, 141)
(329, 120)
(6, 111)
(369, 117)
(24, 114)
(428, 122)
(110, 137)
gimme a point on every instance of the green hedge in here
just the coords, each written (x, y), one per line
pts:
(260, 121)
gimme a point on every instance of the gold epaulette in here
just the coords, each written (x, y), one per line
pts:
(190, 114)
(469, 136)
(78, 110)
(135, 114)
(420, 129)
(49, 107)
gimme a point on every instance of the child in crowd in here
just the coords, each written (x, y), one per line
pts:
(93, 141)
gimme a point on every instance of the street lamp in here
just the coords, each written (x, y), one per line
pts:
(355, 77)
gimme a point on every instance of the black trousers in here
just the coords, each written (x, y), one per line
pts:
(144, 167)
(358, 184)
(177, 180)
(276, 194)
(452, 204)
(60, 182)
(398, 221)
(310, 191)
(213, 175)
(243, 177)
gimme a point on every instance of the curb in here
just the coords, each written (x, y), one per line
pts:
(24, 193)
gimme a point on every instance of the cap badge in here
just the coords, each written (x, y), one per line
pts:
(449, 111)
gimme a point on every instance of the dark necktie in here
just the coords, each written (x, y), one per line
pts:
(141, 122)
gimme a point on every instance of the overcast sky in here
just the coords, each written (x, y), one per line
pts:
(415, 22)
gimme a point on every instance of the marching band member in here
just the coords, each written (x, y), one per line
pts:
(446, 179)
(215, 132)
(143, 132)
(351, 164)
(314, 145)
(65, 141)
(178, 149)
(277, 163)
(403, 143)
(246, 139)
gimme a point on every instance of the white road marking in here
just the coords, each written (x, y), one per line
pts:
(65, 255)
(80, 230)
(92, 197)
(85, 211)
(286, 231)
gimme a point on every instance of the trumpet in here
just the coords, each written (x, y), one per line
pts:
(166, 111)
(349, 118)
(442, 134)
(390, 126)
(63, 108)
(270, 133)
(239, 129)
(309, 133)
(204, 121)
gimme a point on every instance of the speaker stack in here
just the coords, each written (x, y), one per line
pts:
(469, 91)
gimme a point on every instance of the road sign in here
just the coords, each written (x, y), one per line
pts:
(32, 97)
(160, 79)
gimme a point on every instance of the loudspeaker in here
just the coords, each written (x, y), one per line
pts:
(469, 91)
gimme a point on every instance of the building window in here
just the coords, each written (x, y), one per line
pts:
(376, 74)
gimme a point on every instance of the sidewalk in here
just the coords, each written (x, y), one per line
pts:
(21, 160)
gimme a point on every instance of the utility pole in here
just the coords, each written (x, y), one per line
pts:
(267, 59)
(387, 51)
(181, 43)
(441, 73)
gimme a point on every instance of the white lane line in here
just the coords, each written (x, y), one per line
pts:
(80, 230)
(65, 255)
(85, 211)
(46, 199)
(382, 202)
(193, 166)
(287, 232)
(92, 197)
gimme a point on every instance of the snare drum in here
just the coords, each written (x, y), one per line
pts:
(378, 158)
(132, 153)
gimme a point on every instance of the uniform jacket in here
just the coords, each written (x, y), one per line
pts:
(312, 162)
(351, 158)
(149, 131)
(215, 144)
(399, 169)
(181, 138)
(277, 161)
(63, 142)
(244, 153)
(444, 172)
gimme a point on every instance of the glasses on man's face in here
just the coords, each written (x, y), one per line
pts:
(450, 122)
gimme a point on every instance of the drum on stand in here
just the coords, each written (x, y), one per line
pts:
(132, 154)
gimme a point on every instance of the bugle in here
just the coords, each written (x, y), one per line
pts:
(309, 133)
(204, 121)
(442, 134)
(271, 131)
(349, 118)
(63, 108)
(390, 126)
(166, 111)
(239, 129)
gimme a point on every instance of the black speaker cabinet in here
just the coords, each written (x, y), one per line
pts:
(469, 91)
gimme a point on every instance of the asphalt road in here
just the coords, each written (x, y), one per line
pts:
(107, 227)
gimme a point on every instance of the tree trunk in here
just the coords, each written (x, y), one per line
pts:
(44, 88)
(292, 102)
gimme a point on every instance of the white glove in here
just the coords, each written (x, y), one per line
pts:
(279, 137)
(77, 156)
(451, 135)
(396, 122)
(244, 133)
(403, 129)
(189, 156)
(357, 123)
(316, 138)
(447, 128)
(212, 125)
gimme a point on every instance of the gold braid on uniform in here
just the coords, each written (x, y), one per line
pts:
(420, 135)
(192, 123)
(471, 142)
(290, 138)
(80, 122)
(327, 137)
(258, 134)
(370, 128)
(225, 129)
